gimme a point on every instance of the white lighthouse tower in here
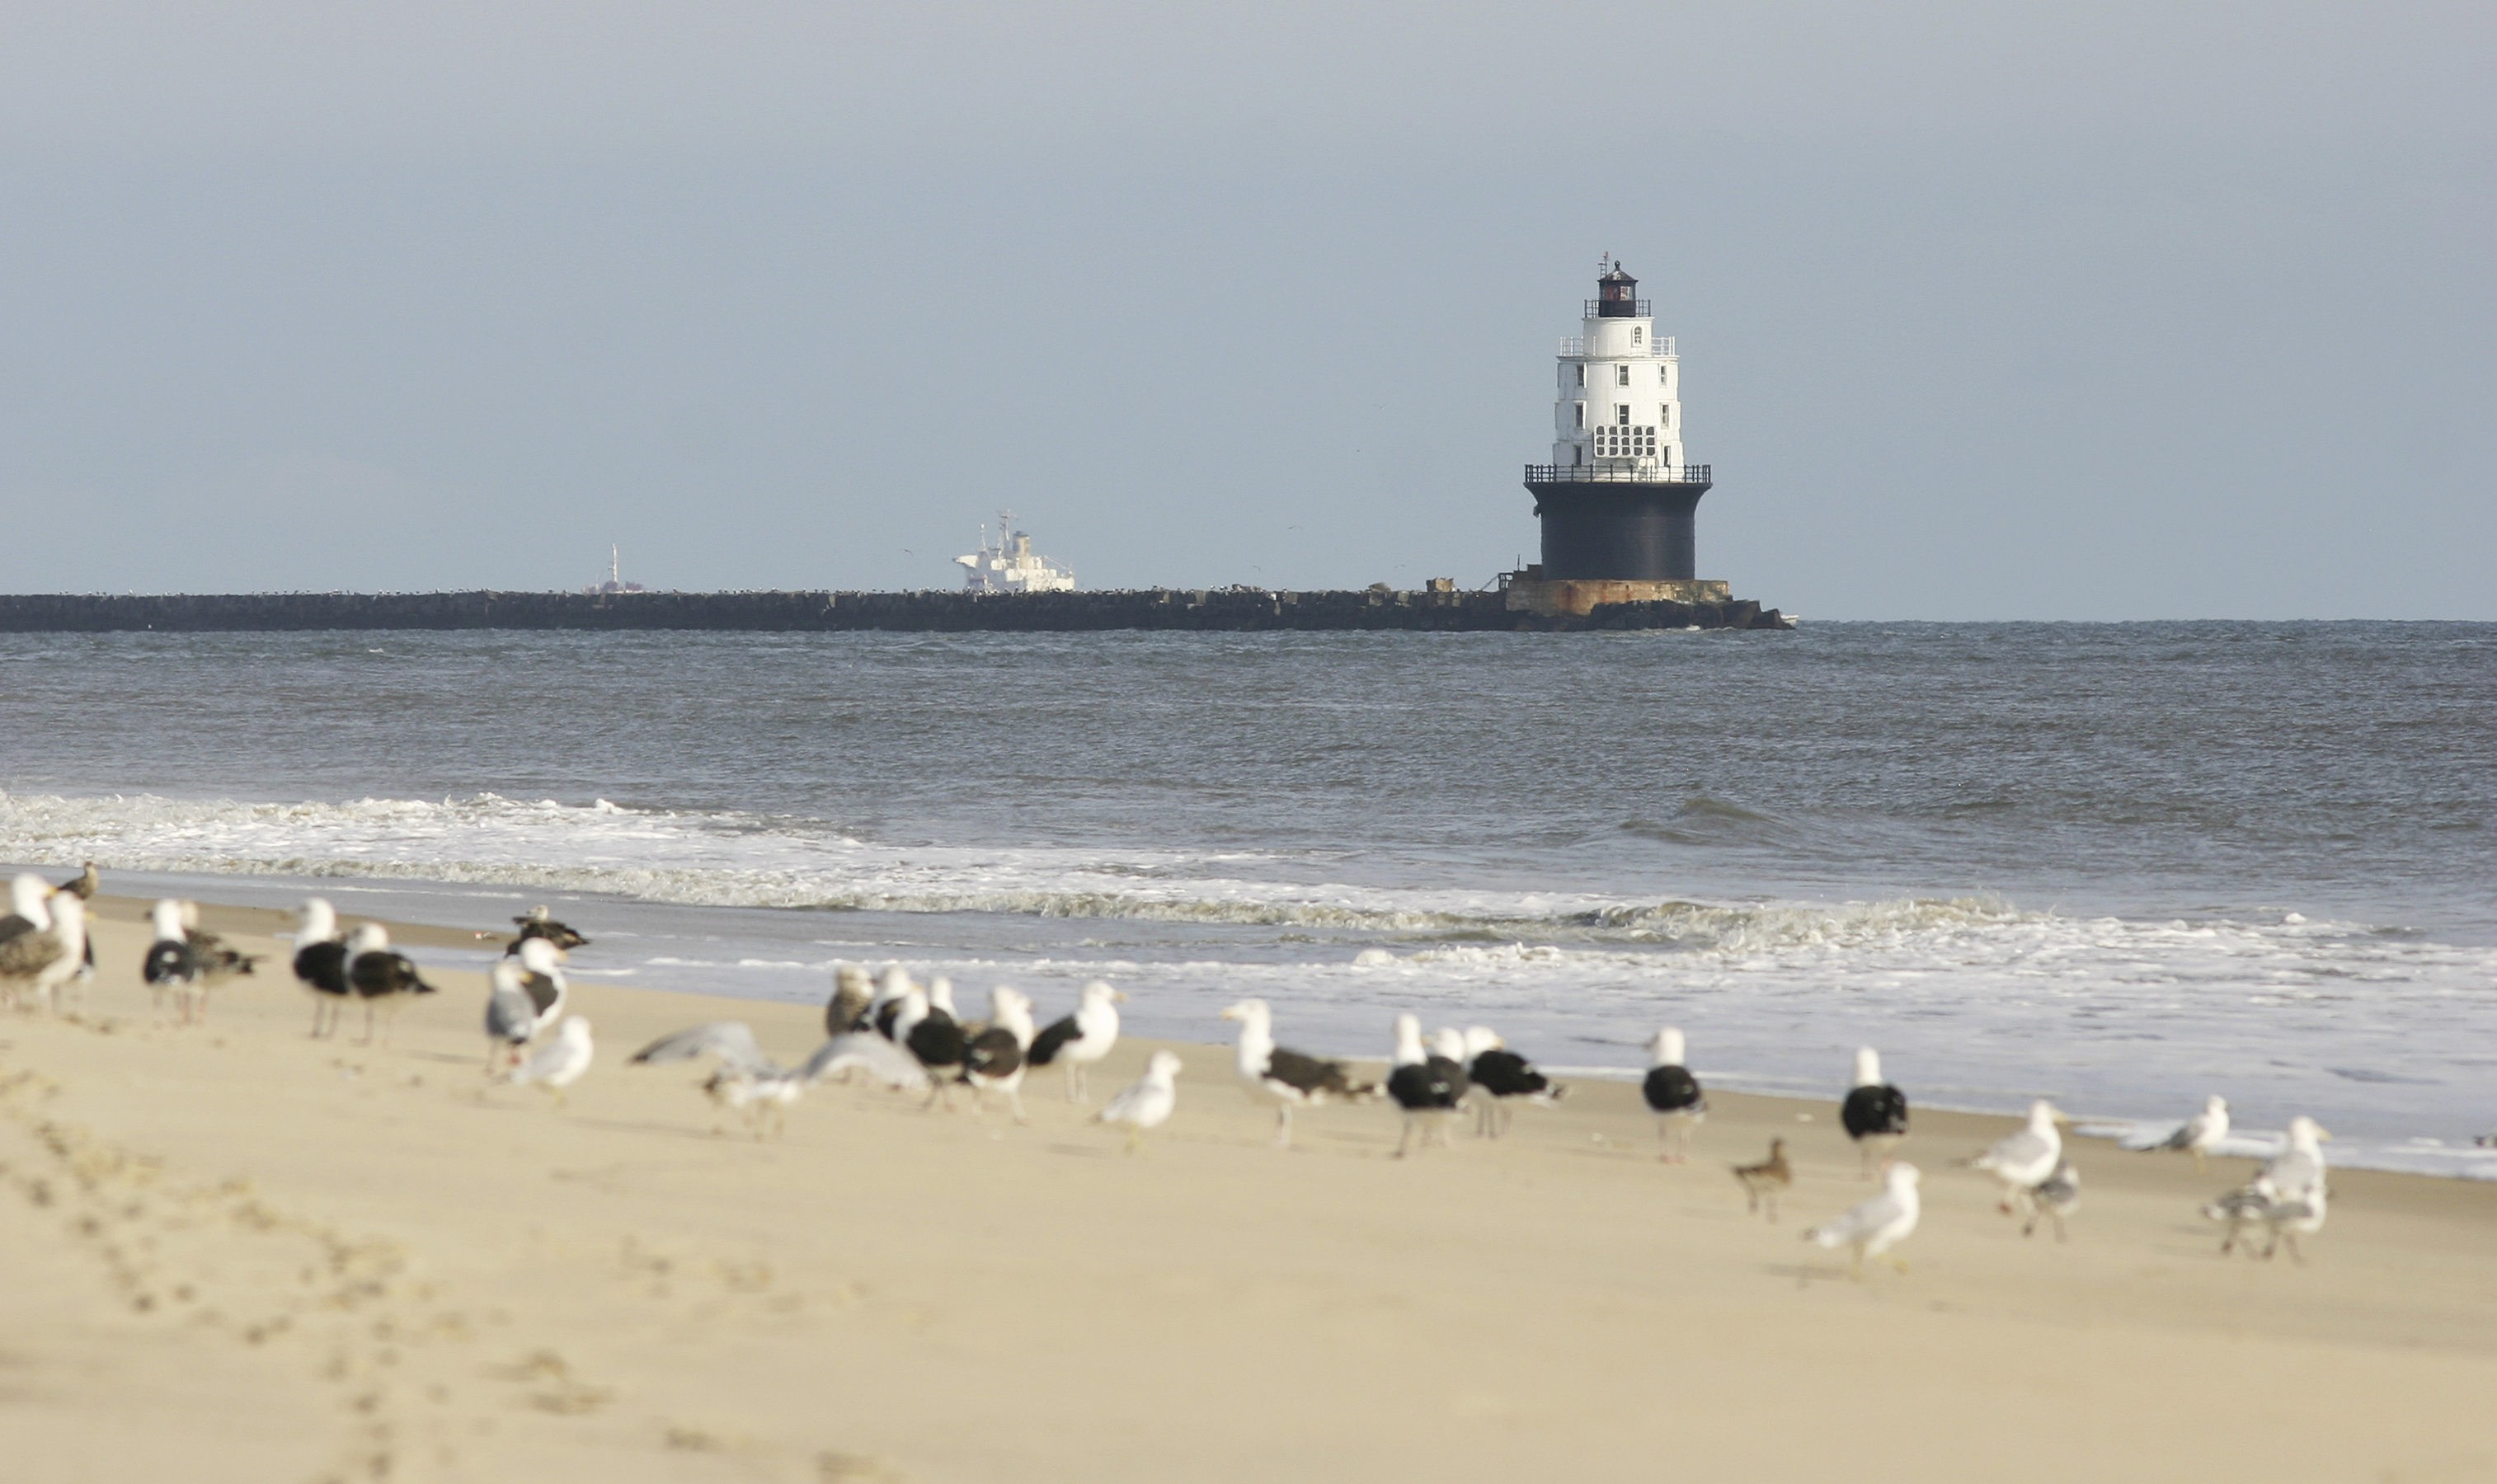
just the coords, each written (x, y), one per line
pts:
(1618, 499)
(1620, 406)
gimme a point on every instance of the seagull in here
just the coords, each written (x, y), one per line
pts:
(863, 1051)
(1426, 1085)
(321, 964)
(1673, 1094)
(2294, 1217)
(1875, 1113)
(992, 1061)
(1765, 1182)
(1502, 1075)
(885, 1008)
(510, 1016)
(2024, 1161)
(2297, 1170)
(538, 924)
(1876, 1226)
(1147, 1104)
(542, 980)
(28, 894)
(185, 960)
(1076, 1041)
(932, 1034)
(86, 884)
(2200, 1134)
(745, 1080)
(380, 976)
(1284, 1077)
(558, 1064)
(49, 951)
(2057, 1198)
(2240, 1211)
(852, 993)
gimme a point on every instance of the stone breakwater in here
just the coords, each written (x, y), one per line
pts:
(1230, 608)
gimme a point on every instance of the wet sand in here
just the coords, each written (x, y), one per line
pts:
(239, 1253)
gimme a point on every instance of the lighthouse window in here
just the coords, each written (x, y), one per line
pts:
(1625, 442)
(1621, 376)
(1582, 375)
(1638, 333)
(1622, 414)
(1582, 414)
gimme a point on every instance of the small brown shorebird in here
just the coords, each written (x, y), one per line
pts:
(1764, 1182)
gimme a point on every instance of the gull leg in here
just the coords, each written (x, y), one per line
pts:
(1135, 1138)
(1855, 1265)
(1282, 1125)
(1898, 1262)
(1071, 1081)
(2202, 1167)
(1771, 1196)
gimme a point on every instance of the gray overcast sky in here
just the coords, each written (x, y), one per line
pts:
(2102, 311)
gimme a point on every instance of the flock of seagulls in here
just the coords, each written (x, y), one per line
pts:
(903, 1035)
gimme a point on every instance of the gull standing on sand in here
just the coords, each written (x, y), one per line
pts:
(1875, 1113)
(1428, 1085)
(321, 964)
(510, 1016)
(1148, 1104)
(1673, 1095)
(2024, 1161)
(1877, 1225)
(884, 1010)
(853, 995)
(1076, 1041)
(542, 980)
(1284, 1077)
(1503, 1078)
(932, 1034)
(559, 1063)
(2259, 1204)
(381, 977)
(44, 954)
(2200, 1134)
(28, 894)
(2055, 1199)
(185, 961)
(1766, 1180)
(2298, 1170)
(994, 1061)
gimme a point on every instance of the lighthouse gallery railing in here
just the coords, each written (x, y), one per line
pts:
(1598, 474)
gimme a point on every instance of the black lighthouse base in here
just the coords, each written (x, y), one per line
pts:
(1608, 525)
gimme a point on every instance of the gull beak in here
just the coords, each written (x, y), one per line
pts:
(2324, 1134)
(1121, 996)
(1231, 1014)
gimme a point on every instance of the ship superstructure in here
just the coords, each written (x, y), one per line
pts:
(1011, 565)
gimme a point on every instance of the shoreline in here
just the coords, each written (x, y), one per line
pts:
(397, 891)
(357, 1260)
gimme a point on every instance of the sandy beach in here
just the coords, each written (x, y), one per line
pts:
(240, 1253)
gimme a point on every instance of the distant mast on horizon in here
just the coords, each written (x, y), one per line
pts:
(1618, 499)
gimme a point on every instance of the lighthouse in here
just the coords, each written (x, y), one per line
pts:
(1618, 498)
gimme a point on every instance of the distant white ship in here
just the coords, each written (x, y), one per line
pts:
(1009, 566)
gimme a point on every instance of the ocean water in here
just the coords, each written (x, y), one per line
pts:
(2120, 866)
